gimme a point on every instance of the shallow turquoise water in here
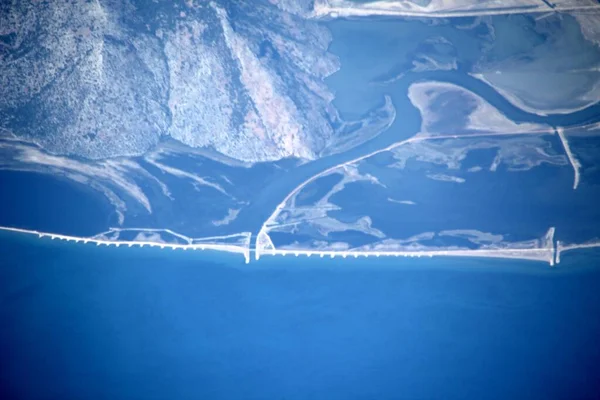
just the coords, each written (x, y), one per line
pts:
(80, 321)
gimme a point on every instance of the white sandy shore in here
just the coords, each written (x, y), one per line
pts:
(574, 162)
(344, 9)
(545, 252)
(561, 247)
(244, 250)
(545, 255)
(549, 254)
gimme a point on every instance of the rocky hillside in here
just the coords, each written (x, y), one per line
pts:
(107, 78)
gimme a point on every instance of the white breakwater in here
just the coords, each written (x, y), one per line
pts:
(545, 252)
(562, 247)
(331, 9)
(548, 253)
(244, 250)
(545, 255)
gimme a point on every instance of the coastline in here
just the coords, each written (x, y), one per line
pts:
(245, 251)
(550, 254)
(526, 262)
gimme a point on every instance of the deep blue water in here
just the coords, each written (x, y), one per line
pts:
(79, 321)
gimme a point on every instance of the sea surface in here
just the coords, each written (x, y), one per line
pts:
(79, 321)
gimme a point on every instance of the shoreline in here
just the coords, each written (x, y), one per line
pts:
(245, 251)
(562, 247)
(323, 10)
(518, 254)
(550, 254)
